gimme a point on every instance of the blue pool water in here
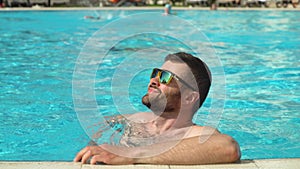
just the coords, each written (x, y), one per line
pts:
(259, 50)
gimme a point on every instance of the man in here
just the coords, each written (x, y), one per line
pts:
(167, 135)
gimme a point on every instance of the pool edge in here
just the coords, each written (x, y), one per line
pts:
(288, 163)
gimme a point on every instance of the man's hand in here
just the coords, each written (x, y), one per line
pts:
(94, 154)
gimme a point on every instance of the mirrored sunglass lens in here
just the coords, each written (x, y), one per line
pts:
(165, 77)
(154, 73)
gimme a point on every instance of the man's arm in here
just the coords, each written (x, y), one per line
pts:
(218, 148)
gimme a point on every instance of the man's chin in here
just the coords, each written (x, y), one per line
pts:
(158, 105)
(146, 101)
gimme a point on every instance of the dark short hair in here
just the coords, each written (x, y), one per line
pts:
(199, 69)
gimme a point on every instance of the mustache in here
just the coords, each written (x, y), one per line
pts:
(155, 87)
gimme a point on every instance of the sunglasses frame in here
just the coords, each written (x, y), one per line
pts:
(171, 77)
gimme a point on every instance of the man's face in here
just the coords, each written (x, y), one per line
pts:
(165, 97)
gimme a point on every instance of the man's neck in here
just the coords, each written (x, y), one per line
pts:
(169, 121)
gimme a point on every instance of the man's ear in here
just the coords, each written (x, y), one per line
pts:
(192, 97)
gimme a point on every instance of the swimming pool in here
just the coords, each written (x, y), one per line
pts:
(259, 51)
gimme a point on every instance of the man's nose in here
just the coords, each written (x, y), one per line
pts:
(155, 81)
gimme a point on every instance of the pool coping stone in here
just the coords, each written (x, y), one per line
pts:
(287, 163)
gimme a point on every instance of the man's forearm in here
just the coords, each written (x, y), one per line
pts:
(217, 149)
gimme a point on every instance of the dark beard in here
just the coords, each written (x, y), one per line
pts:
(146, 101)
(157, 104)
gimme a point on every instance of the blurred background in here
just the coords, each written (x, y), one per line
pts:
(120, 3)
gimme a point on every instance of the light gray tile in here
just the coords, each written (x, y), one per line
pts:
(86, 166)
(278, 163)
(140, 166)
(245, 164)
(39, 165)
(151, 166)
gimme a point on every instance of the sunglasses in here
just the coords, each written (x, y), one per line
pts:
(165, 77)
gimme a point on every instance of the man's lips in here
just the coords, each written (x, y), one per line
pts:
(153, 89)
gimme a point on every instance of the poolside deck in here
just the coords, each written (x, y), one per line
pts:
(293, 163)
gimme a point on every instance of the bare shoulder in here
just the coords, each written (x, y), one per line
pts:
(128, 116)
(202, 130)
(140, 116)
(213, 134)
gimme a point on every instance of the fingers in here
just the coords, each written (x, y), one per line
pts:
(86, 157)
(105, 158)
(95, 154)
(80, 154)
(85, 154)
(95, 159)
